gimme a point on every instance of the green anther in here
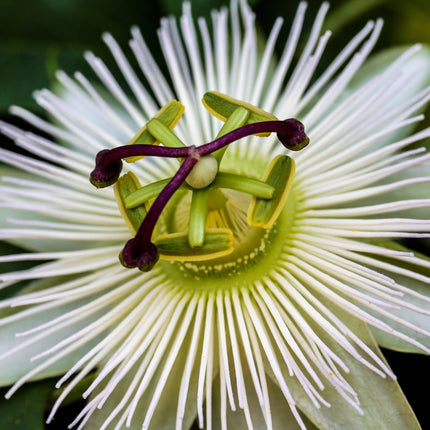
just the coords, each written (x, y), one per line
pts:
(262, 212)
(237, 119)
(123, 187)
(197, 222)
(251, 186)
(218, 242)
(169, 115)
(162, 133)
(223, 106)
(149, 192)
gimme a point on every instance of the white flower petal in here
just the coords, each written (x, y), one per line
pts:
(14, 366)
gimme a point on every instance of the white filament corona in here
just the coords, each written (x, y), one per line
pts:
(163, 348)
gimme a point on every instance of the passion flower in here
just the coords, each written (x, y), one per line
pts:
(261, 272)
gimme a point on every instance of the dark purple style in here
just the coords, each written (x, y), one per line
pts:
(140, 252)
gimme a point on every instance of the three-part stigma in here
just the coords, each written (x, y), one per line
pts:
(200, 173)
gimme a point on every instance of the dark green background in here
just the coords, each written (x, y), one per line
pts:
(39, 36)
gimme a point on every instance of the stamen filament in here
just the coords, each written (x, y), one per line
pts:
(197, 222)
(251, 186)
(148, 192)
(164, 134)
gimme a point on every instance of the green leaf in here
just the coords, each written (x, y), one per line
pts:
(25, 410)
(30, 66)
(16, 82)
(282, 417)
(39, 36)
(348, 11)
(385, 406)
(423, 321)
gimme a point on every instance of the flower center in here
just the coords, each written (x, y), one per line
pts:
(215, 221)
(253, 247)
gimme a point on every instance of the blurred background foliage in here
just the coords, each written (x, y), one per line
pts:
(37, 37)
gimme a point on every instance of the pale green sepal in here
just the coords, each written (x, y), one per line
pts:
(282, 418)
(416, 191)
(16, 366)
(175, 246)
(12, 213)
(382, 400)
(32, 244)
(165, 413)
(264, 212)
(162, 133)
(251, 186)
(412, 192)
(417, 68)
(123, 187)
(423, 321)
(197, 223)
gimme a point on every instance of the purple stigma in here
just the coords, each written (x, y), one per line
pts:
(107, 171)
(144, 255)
(108, 161)
(293, 135)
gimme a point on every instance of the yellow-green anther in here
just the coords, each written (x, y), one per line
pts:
(169, 115)
(197, 222)
(251, 186)
(237, 119)
(175, 246)
(162, 133)
(148, 192)
(262, 212)
(222, 106)
(123, 187)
